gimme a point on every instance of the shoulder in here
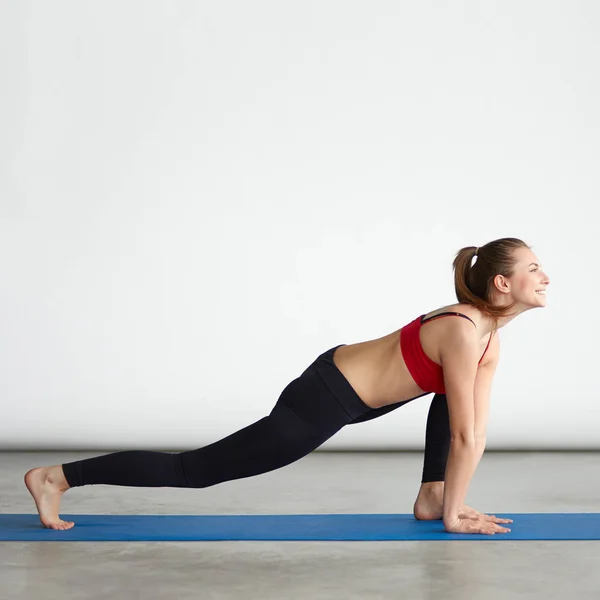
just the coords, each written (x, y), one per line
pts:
(458, 339)
(457, 331)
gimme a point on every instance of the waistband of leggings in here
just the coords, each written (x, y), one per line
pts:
(338, 385)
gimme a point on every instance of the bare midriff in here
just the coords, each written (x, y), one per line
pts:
(376, 368)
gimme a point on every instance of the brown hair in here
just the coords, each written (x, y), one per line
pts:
(473, 284)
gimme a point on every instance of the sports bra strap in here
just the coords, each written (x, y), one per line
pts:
(488, 344)
(456, 314)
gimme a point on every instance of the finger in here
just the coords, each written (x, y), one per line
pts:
(495, 519)
(484, 529)
(491, 528)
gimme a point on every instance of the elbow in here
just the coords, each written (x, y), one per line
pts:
(463, 439)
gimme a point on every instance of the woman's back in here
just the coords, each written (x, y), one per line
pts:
(378, 370)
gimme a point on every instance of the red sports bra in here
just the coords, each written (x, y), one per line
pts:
(428, 375)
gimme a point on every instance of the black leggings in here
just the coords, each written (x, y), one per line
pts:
(309, 411)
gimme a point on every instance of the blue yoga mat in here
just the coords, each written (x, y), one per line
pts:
(321, 527)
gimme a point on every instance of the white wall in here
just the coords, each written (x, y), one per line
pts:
(198, 198)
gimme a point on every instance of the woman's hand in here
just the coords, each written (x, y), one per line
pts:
(472, 525)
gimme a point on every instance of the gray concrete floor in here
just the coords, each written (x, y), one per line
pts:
(320, 483)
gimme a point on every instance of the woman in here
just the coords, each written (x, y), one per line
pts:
(453, 357)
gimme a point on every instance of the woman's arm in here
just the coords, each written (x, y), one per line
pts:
(459, 353)
(483, 384)
(437, 440)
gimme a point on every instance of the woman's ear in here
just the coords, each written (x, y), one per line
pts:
(501, 284)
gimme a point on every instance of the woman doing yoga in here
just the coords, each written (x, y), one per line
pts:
(451, 351)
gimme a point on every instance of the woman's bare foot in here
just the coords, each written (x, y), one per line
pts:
(47, 485)
(429, 505)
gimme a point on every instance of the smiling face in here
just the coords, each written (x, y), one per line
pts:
(527, 285)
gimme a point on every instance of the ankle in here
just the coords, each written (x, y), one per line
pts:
(56, 478)
(432, 487)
